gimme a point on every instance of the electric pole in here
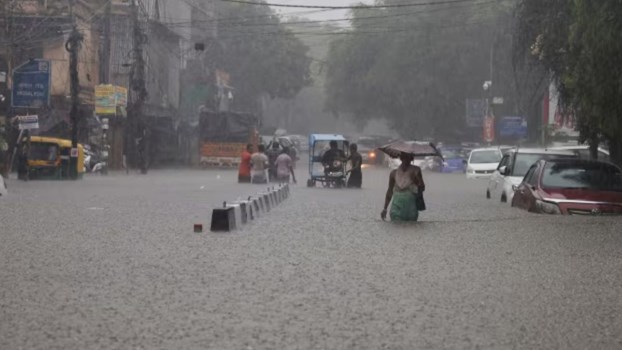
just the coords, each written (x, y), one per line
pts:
(138, 131)
(105, 60)
(73, 45)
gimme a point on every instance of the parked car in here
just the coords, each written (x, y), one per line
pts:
(3, 188)
(513, 167)
(571, 187)
(368, 148)
(583, 152)
(394, 163)
(454, 160)
(482, 162)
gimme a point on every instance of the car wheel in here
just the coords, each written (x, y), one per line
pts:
(310, 183)
(504, 198)
(487, 194)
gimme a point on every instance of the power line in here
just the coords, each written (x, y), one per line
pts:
(246, 24)
(355, 7)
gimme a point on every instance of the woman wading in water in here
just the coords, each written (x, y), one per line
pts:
(405, 185)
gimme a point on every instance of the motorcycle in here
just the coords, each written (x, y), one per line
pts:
(335, 174)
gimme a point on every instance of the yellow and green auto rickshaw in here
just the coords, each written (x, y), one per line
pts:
(49, 158)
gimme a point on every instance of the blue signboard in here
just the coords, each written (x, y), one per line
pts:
(513, 127)
(31, 84)
(475, 112)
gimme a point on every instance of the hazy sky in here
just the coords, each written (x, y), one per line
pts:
(316, 14)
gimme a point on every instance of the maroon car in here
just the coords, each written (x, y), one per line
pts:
(571, 187)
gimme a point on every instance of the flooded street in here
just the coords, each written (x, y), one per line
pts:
(113, 262)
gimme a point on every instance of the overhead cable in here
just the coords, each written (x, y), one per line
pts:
(352, 7)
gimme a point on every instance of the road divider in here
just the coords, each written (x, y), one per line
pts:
(232, 215)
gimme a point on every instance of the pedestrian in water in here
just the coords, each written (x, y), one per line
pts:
(284, 167)
(259, 165)
(356, 175)
(244, 172)
(405, 184)
(273, 154)
(22, 159)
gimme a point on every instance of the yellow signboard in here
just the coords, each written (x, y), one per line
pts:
(108, 98)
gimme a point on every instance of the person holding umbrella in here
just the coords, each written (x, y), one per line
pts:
(406, 186)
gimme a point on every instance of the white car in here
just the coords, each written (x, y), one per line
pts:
(3, 190)
(583, 151)
(482, 162)
(513, 167)
(394, 163)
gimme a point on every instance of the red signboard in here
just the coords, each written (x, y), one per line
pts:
(228, 150)
(489, 129)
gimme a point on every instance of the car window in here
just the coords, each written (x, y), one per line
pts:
(593, 176)
(485, 157)
(530, 177)
(524, 161)
(504, 161)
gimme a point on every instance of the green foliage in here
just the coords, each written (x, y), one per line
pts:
(415, 68)
(579, 42)
(262, 56)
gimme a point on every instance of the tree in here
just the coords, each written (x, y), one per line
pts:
(415, 68)
(262, 56)
(578, 42)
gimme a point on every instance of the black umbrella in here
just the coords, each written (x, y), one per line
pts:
(414, 148)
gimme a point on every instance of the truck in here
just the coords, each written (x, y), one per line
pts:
(223, 136)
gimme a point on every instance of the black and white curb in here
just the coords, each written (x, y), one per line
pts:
(232, 215)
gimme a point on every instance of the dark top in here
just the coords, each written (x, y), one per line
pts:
(357, 161)
(331, 155)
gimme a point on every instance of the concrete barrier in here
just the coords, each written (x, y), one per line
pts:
(223, 220)
(258, 206)
(235, 214)
(266, 201)
(237, 210)
(246, 208)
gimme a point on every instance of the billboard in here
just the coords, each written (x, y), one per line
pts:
(475, 112)
(108, 98)
(31, 84)
(513, 126)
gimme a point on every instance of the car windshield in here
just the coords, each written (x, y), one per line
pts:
(369, 143)
(593, 176)
(525, 160)
(482, 157)
(451, 153)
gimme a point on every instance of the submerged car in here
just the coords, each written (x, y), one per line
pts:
(571, 187)
(583, 151)
(513, 167)
(482, 163)
(454, 160)
(368, 148)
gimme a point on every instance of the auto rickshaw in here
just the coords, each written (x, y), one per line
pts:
(329, 175)
(49, 158)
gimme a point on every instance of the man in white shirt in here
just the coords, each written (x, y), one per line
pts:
(259, 165)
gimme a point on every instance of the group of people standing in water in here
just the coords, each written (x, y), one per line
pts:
(404, 194)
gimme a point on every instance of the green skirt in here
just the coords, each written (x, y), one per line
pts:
(404, 207)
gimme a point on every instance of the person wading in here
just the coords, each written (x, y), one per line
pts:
(259, 164)
(244, 172)
(356, 175)
(284, 167)
(405, 184)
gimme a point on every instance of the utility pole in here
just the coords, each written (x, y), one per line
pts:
(105, 62)
(72, 46)
(138, 131)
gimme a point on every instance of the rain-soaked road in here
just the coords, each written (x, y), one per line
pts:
(113, 263)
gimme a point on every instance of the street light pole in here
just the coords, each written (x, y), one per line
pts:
(72, 46)
(138, 133)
